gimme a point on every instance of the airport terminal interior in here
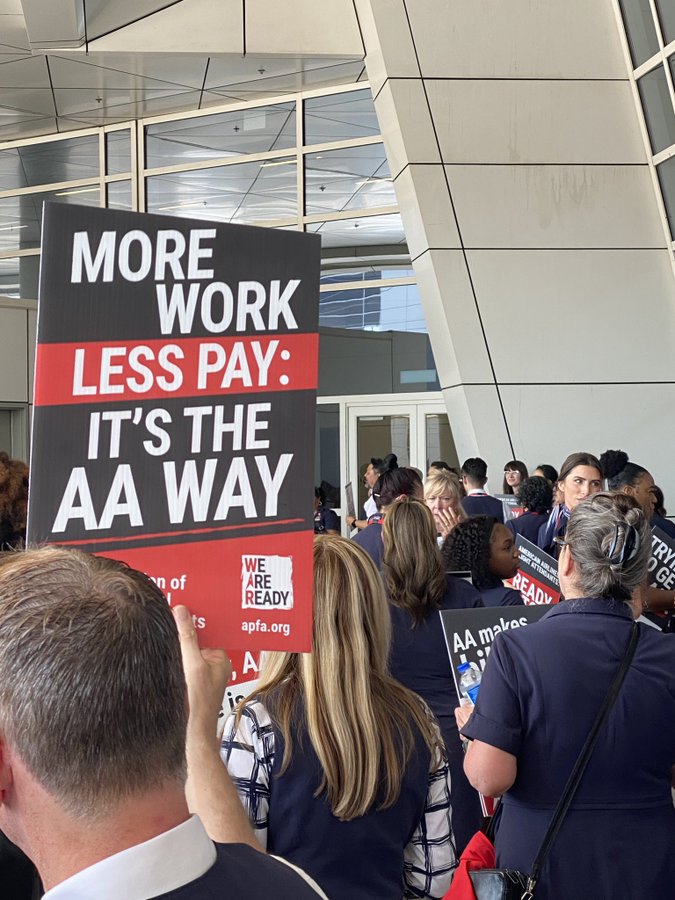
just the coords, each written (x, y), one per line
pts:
(494, 186)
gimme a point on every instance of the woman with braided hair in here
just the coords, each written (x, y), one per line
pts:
(486, 548)
(541, 691)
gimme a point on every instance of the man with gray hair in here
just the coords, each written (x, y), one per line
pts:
(93, 718)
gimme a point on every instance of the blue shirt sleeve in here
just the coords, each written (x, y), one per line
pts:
(497, 718)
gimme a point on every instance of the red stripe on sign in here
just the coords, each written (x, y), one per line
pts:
(109, 372)
(175, 534)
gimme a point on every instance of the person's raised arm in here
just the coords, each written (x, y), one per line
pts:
(209, 788)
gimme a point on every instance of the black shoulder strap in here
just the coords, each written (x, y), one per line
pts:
(582, 761)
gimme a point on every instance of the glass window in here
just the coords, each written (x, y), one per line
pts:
(21, 217)
(658, 109)
(377, 231)
(353, 178)
(339, 117)
(19, 277)
(233, 133)
(373, 308)
(375, 437)
(49, 163)
(118, 195)
(373, 272)
(244, 192)
(439, 442)
(640, 30)
(666, 173)
(118, 152)
(666, 10)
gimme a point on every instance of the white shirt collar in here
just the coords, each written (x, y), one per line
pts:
(481, 491)
(162, 864)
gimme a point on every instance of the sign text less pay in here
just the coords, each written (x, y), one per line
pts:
(209, 367)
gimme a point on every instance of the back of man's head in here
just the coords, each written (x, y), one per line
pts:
(475, 471)
(92, 693)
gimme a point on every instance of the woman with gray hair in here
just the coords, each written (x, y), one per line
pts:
(541, 692)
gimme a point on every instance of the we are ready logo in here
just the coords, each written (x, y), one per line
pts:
(267, 582)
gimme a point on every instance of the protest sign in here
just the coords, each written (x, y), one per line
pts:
(349, 494)
(469, 633)
(537, 575)
(510, 506)
(661, 571)
(661, 566)
(175, 391)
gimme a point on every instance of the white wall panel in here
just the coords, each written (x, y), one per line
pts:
(428, 219)
(555, 206)
(478, 428)
(386, 34)
(516, 38)
(518, 121)
(539, 306)
(13, 355)
(406, 124)
(303, 27)
(450, 311)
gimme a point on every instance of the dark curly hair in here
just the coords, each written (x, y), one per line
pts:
(618, 471)
(536, 494)
(467, 548)
(13, 502)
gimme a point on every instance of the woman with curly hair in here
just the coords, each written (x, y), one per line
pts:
(13, 502)
(487, 549)
(417, 588)
(535, 495)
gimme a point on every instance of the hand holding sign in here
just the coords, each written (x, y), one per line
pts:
(207, 673)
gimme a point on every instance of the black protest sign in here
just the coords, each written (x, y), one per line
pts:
(511, 507)
(537, 575)
(175, 396)
(661, 566)
(469, 633)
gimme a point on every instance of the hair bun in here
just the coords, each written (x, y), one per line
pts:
(612, 462)
(391, 461)
(633, 516)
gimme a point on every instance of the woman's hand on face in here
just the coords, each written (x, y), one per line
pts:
(207, 673)
(463, 713)
(446, 519)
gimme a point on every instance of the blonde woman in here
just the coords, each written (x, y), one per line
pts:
(443, 496)
(340, 768)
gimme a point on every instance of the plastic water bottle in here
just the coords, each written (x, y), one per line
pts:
(469, 680)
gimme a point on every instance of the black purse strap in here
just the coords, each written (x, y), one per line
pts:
(580, 765)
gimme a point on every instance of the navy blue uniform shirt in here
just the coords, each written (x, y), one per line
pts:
(483, 505)
(541, 691)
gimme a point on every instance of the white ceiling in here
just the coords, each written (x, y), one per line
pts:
(65, 65)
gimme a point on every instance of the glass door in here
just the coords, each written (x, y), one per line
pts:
(374, 431)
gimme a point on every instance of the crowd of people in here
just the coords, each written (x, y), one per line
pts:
(354, 771)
